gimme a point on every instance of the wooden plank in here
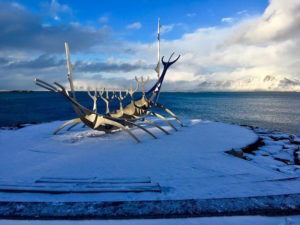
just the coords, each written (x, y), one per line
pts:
(71, 185)
(94, 180)
(63, 189)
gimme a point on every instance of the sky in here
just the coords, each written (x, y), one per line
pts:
(232, 45)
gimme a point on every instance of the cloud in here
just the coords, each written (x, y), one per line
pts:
(267, 83)
(259, 52)
(279, 22)
(242, 12)
(19, 73)
(191, 14)
(134, 26)
(4, 61)
(41, 62)
(21, 30)
(239, 56)
(167, 28)
(111, 66)
(289, 84)
(227, 20)
(46, 61)
(103, 19)
(56, 18)
(55, 9)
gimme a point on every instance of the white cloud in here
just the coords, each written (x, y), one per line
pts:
(103, 19)
(17, 5)
(239, 56)
(56, 18)
(242, 12)
(56, 10)
(280, 21)
(261, 52)
(191, 14)
(167, 28)
(56, 7)
(227, 20)
(134, 26)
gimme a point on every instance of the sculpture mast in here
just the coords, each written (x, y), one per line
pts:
(158, 50)
(69, 65)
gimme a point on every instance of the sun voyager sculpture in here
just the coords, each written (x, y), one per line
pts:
(130, 115)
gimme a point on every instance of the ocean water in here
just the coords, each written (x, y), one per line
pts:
(272, 110)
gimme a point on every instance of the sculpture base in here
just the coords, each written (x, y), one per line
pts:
(196, 175)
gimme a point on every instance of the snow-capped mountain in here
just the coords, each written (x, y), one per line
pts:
(254, 83)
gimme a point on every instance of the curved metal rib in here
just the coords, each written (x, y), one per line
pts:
(163, 118)
(157, 115)
(133, 124)
(45, 85)
(66, 124)
(169, 112)
(152, 123)
(114, 123)
(74, 125)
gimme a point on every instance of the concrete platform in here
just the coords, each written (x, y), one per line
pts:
(196, 176)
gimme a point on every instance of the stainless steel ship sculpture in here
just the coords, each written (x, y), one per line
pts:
(129, 115)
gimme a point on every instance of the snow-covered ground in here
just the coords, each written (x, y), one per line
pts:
(188, 164)
(234, 220)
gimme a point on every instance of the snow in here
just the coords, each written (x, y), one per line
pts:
(188, 164)
(234, 220)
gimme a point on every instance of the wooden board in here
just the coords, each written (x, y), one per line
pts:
(94, 180)
(78, 188)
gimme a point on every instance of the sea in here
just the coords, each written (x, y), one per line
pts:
(272, 110)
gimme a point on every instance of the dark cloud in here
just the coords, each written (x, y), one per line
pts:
(181, 86)
(111, 67)
(211, 85)
(4, 61)
(23, 30)
(47, 61)
(20, 74)
(44, 61)
(288, 83)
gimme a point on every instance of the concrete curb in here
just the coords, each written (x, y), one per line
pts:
(257, 205)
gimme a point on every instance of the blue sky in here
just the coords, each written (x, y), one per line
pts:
(224, 45)
(189, 15)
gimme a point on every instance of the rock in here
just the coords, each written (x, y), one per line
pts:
(285, 157)
(286, 161)
(272, 149)
(278, 137)
(268, 161)
(253, 147)
(262, 153)
(261, 131)
(296, 141)
(297, 156)
(20, 126)
(248, 156)
(289, 169)
(236, 152)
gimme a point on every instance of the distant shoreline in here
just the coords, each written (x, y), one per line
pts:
(16, 91)
(191, 91)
